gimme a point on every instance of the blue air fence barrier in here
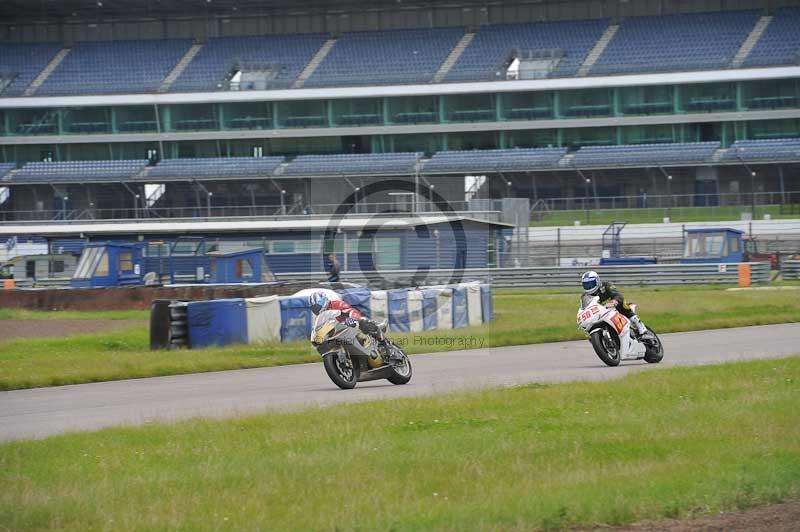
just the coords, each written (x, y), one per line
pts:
(486, 302)
(415, 319)
(429, 308)
(474, 307)
(217, 322)
(398, 310)
(444, 308)
(460, 317)
(296, 319)
(379, 305)
(359, 298)
(263, 319)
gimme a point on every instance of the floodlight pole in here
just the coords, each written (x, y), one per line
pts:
(669, 192)
(355, 193)
(752, 182)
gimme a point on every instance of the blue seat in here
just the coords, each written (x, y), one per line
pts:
(114, 67)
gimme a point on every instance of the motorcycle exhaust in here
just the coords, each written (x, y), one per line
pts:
(382, 372)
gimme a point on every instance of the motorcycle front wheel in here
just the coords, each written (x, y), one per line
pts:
(606, 347)
(401, 367)
(344, 374)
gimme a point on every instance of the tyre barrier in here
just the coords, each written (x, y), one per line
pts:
(197, 324)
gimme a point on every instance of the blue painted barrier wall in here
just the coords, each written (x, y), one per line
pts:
(296, 319)
(217, 322)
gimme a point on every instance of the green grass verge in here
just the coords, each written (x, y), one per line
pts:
(25, 314)
(664, 443)
(522, 317)
(650, 215)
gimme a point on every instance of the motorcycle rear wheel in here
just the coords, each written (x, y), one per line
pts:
(342, 376)
(609, 354)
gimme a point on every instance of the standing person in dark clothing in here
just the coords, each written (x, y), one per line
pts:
(333, 269)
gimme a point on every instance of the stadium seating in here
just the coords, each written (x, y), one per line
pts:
(215, 167)
(780, 43)
(79, 171)
(676, 42)
(21, 63)
(383, 57)
(645, 154)
(493, 160)
(218, 57)
(5, 168)
(117, 67)
(763, 150)
(492, 46)
(350, 164)
(642, 44)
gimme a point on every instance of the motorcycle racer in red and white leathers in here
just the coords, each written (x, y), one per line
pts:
(320, 302)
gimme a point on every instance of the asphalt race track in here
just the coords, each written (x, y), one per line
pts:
(43, 412)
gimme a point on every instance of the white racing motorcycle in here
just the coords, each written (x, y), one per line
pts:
(612, 336)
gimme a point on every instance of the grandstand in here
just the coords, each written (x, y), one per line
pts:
(225, 107)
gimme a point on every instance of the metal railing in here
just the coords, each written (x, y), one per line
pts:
(667, 201)
(791, 270)
(239, 211)
(556, 277)
(586, 209)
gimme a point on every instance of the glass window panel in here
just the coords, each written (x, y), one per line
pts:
(772, 94)
(247, 115)
(102, 265)
(307, 246)
(243, 268)
(311, 113)
(357, 112)
(414, 110)
(87, 260)
(283, 246)
(86, 120)
(708, 97)
(586, 103)
(136, 119)
(528, 105)
(387, 253)
(193, 117)
(125, 262)
(470, 107)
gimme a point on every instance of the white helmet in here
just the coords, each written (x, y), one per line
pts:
(591, 282)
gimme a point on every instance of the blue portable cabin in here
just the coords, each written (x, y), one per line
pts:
(109, 264)
(711, 245)
(244, 266)
(360, 243)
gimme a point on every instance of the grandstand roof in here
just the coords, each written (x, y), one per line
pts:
(235, 226)
(82, 9)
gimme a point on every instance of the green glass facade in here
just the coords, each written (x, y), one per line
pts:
(484, 112)
(446, 109)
